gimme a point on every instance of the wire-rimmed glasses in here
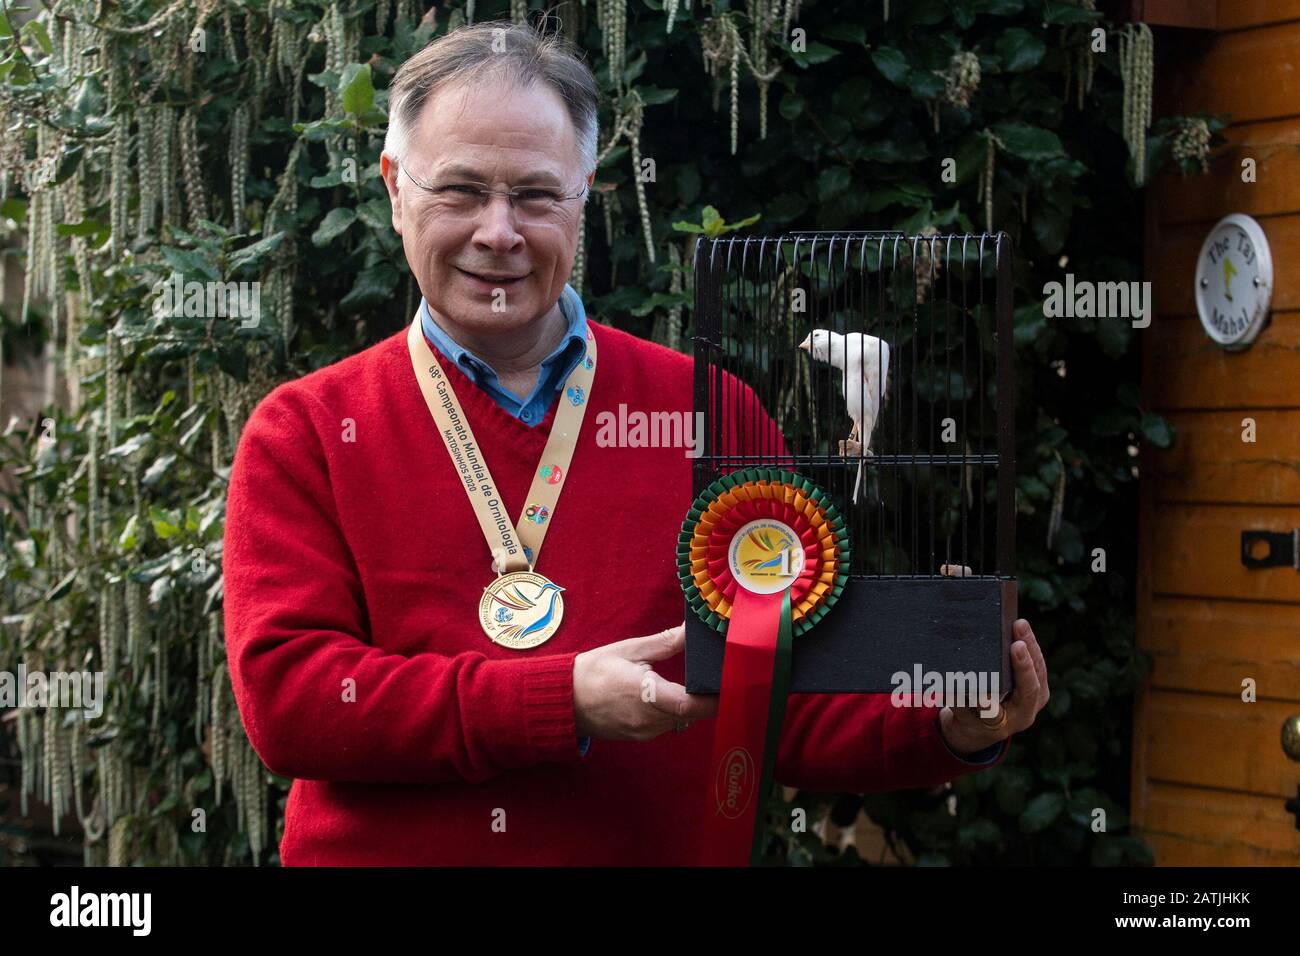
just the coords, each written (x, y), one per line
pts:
(465, 199)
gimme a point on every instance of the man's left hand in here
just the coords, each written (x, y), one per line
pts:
(965, 731)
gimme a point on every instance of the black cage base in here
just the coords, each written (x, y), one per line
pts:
(880, 627)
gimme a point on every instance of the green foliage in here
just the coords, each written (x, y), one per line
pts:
(119, 518)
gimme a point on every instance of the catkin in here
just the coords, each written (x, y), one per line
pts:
(1136, 61)
(164, 133)
(147, 171)
(117, 842)
(239, 160)
(191, 171)
(218, 725)
(120, 184)
(636, 113)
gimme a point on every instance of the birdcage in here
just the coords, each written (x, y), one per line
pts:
(927, 484)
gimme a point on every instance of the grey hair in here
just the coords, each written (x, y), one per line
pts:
(517, 53)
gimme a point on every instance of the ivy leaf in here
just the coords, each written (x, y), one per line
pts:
(335, 223)
(129, 447)
(891, 63)
(926, 85)
(159, 468)
(1050, 227)
(129, 537)
(654, 95)
(971, 154)
(813, 53)
(252, 256)
(159, 590)
(35, 30)
(982, 830)
(322, 129)
(1042, 812)
(999, 8)
(663, 300)
(164, 525)
(376, 215)
(1029, 142)
(688, 184)
(62, 588)
(1114, 336)
(1157, 430)
(356, 89)
(1020, 50)
(1067, 14)
(190, 263)
(374, 285)
(68, 163)
(233, 359)
(833, 182)
(848, 32)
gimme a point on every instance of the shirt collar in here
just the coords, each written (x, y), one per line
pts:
(569, 351)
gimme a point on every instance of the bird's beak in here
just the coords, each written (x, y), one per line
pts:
(806, 344)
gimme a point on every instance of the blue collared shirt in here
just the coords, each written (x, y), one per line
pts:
(555, 367)
(532, 409)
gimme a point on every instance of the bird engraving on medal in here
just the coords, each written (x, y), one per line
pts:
(863, 361)
(513, 598)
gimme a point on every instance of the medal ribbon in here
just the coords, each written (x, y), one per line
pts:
(505, 540)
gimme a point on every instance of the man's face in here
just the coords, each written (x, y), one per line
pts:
(501, 136)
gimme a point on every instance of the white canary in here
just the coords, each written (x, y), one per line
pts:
(864, 360)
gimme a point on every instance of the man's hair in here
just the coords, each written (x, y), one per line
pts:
(516, 53)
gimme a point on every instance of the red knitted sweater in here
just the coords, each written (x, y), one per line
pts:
(353, 567)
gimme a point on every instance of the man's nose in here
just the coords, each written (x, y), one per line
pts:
(497, 222)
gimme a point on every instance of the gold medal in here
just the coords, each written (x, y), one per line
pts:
(521, 609)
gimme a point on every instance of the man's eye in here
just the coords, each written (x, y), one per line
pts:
(461, 188)
(537, 194)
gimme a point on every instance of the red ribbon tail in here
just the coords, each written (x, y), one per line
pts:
(736, 789)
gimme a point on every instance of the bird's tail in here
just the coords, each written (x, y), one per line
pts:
(873, 493)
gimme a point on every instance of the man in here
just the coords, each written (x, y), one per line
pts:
(357, 549)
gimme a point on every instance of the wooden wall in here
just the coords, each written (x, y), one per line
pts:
(1209, 774)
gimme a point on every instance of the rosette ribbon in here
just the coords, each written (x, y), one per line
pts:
(763, 555)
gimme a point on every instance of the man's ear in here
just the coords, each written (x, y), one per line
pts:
(388, 169)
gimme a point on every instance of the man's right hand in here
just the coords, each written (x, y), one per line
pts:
(618, 696)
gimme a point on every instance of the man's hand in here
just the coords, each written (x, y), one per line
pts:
(962, 727)
(618, 696)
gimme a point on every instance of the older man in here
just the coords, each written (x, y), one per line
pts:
(428, 713)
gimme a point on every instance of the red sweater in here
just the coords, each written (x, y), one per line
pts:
(359, 563)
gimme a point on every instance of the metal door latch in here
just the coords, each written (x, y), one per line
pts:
(1283, 549)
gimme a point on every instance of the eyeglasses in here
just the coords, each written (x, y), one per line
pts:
(457, 200)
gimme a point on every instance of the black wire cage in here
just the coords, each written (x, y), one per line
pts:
(919, 458)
